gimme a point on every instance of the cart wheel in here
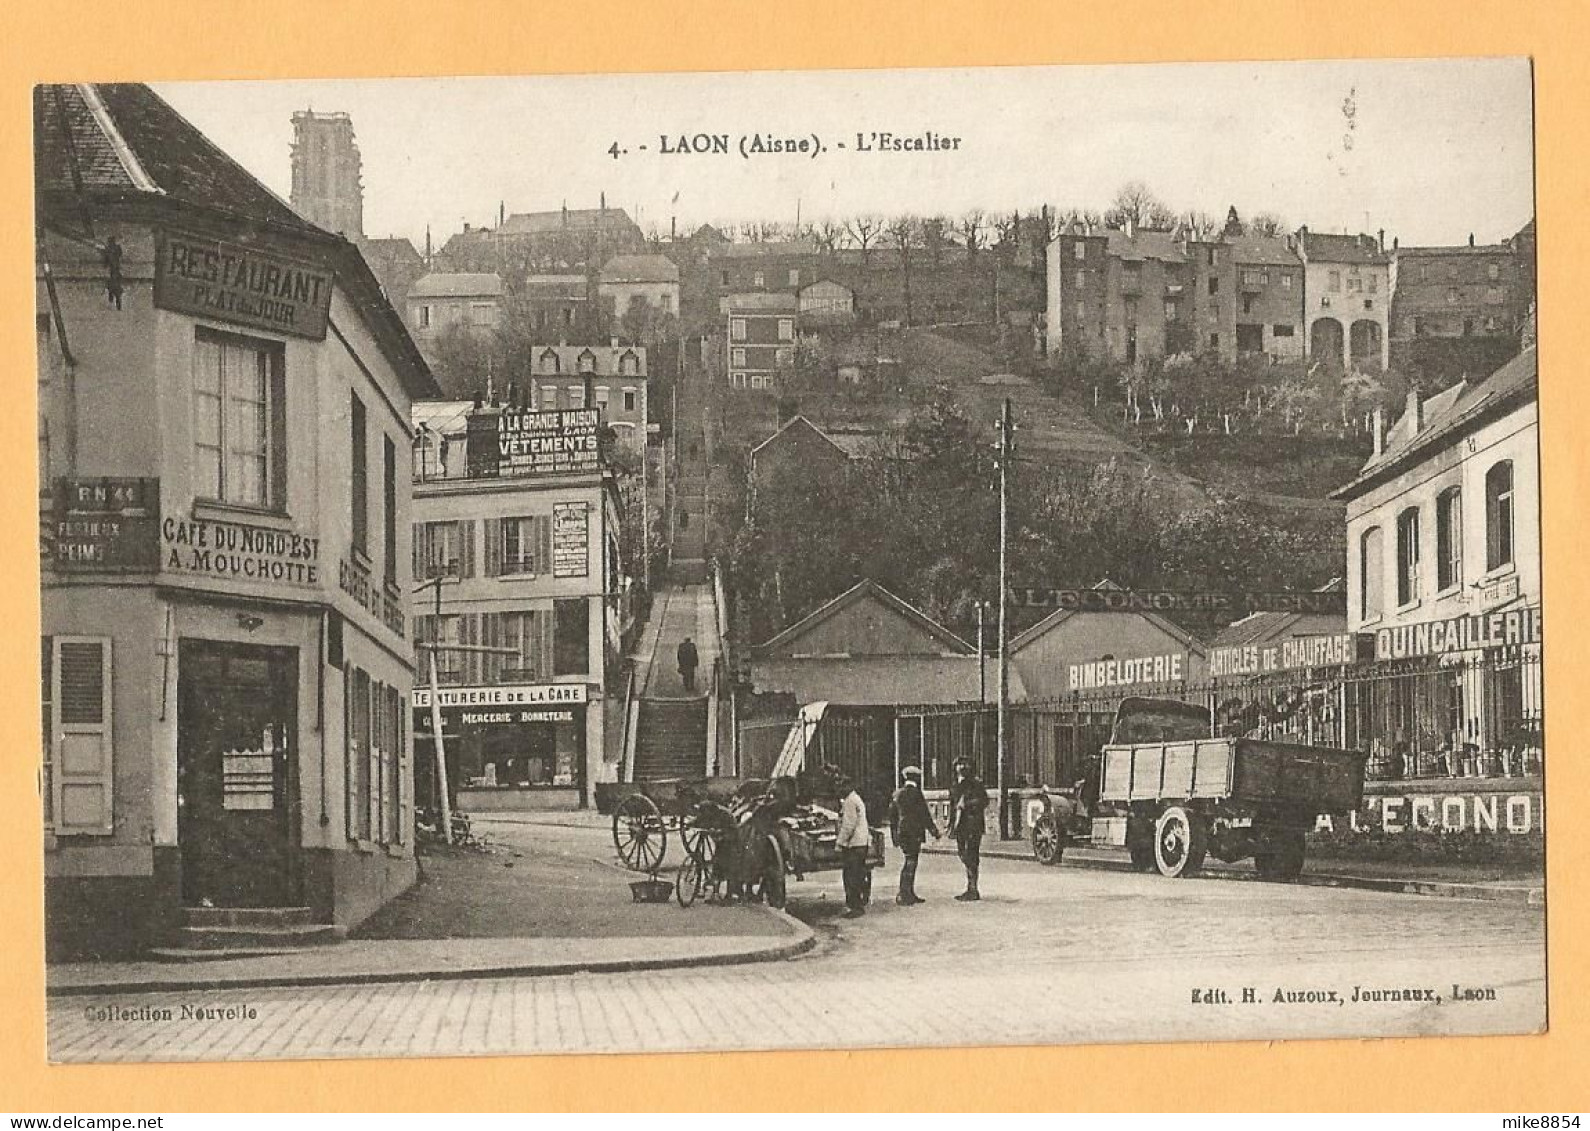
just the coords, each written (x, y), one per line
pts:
(690, 882)
(1283, 858)
(639, 834)
(1047, 844)
(1180, 841)
(771, 883)
(1140, 843)
(701, 830)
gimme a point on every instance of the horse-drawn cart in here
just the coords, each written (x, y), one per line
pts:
(747, 836)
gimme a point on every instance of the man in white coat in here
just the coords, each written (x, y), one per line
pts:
(855, 837)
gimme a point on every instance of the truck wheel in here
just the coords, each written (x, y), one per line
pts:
(1140, 844)
(1180, 841)
(1047, 844)
(1283, 858)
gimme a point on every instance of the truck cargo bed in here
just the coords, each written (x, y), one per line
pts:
(1241, 770)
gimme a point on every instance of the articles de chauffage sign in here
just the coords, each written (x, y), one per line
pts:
(511, 442)
(219, 279)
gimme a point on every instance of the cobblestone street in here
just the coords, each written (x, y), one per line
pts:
(1050, 955)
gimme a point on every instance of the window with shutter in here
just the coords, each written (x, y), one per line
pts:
(466, 548)
(405, 780)
(82, 763)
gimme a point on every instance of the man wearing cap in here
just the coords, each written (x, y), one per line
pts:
(968, 799)
(910, 821)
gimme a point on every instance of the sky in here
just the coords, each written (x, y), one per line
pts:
(1428, 150)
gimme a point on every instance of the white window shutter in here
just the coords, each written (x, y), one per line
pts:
(83, 730)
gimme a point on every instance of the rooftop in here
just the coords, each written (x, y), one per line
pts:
(764, 249)
(457, 285)
(1447, 415)
(1322, 247)
(1267, 251)
(1144, 244)
(640, 269)
(776, 301)
(565, 219)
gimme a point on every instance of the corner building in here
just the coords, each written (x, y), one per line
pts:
(223, 394)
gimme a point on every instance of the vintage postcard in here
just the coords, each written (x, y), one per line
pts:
(696, 562)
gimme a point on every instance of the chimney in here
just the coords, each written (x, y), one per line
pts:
(1382, 239)
(1378, 430)
(1471, 239)
(565, 214)
(604, 201)
(466, 227)
(502, 212)
(613, 341)
(1414, 413)
(1395, 243)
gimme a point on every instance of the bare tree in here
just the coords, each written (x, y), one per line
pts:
(972, 225)
(1267, 224)
(826, 235)
(865, 232)
(1135, 204)
(1199, 225)
(905, 233)
(932, 230)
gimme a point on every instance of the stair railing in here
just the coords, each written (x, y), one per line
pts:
(712, 717)
(626, 768)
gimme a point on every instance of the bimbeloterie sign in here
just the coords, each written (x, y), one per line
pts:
(227, 281)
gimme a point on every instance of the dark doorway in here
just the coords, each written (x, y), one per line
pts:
(1325, 342)
(237, 790)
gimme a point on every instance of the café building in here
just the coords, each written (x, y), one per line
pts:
(223, 394)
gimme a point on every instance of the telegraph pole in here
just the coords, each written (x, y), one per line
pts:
(1006, 446)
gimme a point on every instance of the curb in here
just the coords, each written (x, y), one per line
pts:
(805, 938)
(1440, 889)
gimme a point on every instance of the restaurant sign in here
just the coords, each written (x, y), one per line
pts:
(235, 550)
(510, 443)
(1319, 651)
(1459, 634)
(1177, 601)
(227, 281)
(105, 525)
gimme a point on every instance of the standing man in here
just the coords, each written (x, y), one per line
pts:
(687, 664)
(855, 837)
(910, 821)
(968, 800)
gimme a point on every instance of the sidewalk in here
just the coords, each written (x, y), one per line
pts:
(518, 910)
(1450, 881)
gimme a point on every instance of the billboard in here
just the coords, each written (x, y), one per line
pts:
(510, 443)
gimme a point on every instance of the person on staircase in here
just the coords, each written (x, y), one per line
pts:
(688, 662)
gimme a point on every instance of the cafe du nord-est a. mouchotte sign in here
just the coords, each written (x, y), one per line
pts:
(230, 282)
(510, 443)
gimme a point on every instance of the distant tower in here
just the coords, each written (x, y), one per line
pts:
(326, 187)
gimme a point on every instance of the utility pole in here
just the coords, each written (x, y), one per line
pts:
(1006, 447)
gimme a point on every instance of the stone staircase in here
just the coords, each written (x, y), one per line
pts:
(210, 933)
(671, 739)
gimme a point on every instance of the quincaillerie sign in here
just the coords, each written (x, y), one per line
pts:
(1459, 634)
(228, 281)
